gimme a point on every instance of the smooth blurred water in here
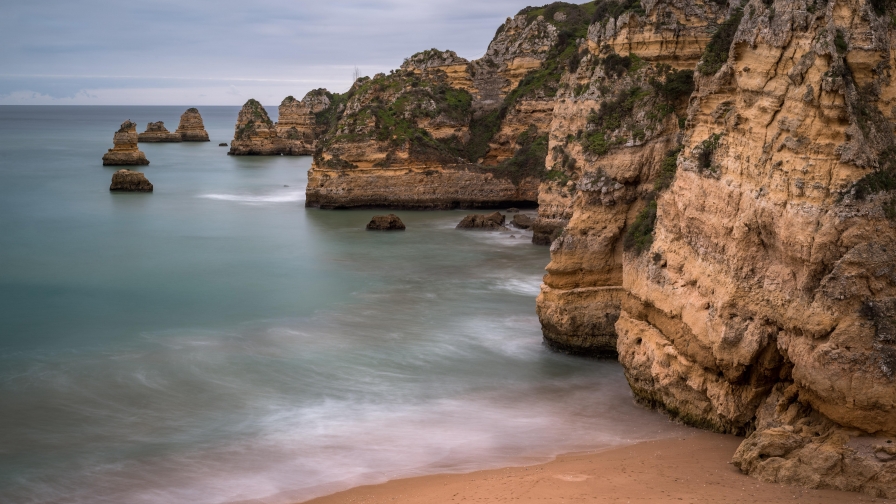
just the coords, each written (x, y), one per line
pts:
(216, 341)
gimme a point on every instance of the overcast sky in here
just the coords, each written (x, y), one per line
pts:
(222, 52)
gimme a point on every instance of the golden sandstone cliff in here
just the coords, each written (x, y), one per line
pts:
(124, 150)
(716, 181)
(157, 132)
(191, 127)
(294, 134)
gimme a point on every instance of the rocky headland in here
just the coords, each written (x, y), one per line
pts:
(191, 128)
(716, 181)
(124, 150)
(157, 132)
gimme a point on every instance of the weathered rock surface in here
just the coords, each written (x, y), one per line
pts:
(522, 221)
(479, 221)
(299, 125)
(157, 132)
(191, 127)
(389, 222)
(125, 151)
(129, 181)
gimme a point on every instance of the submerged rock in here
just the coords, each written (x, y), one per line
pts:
(125, 151)
(157, 132)
(130, 181)
(222, 144)
(522, 221)
(389, 222)
(479, 221)
(191, 127)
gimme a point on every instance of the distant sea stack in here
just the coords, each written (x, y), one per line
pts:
(157, 132)
(300, 123)
(129, 181)
(125, 151)
(191, 128)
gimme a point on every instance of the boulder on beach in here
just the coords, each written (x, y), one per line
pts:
(389, 222)
(157, 132)
(191, 127)
(522, 221)
(125, 151)
(479, 221)
(130, 181)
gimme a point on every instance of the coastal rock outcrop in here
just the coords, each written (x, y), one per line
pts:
(522, 221)
(157, 132)
(130, 181)
(480, 221)
(298, 127)
(125, 151)
(389, 222)
(191, 128)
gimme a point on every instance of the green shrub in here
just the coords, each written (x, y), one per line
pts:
(639, 236)
(676, 85)
(668, 166)
(716, 53)
(840, 42)
(616, 65)
(707, 149)
(606, 9)
(881, 179)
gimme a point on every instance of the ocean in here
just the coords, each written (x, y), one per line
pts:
(215, 341)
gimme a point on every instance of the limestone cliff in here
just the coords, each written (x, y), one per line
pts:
(294, 134)
(442, 132)
(157, 132)
(191, 127)
(124, 150)
(762, 302)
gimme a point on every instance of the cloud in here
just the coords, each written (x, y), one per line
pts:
(61, 48)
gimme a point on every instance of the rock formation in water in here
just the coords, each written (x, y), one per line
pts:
(125, 151)
(444, 132)
(191, 128)
(295, 133)
(719, 192)
(157, 132)
(479, 221)
(129, 181)
(522, 221)
(389, 222)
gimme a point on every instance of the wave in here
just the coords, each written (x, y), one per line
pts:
(252, 199)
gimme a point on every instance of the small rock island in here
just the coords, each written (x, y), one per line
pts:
(191, 127)
(157, 132)
(129, 181)
(125, 151)
(389, 222)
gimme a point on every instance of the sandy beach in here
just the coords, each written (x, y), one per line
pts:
(691, 470)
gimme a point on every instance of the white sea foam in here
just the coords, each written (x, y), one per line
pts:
(255, 199)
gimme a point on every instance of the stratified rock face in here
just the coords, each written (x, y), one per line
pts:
(389, 222)
(157, 132)
(616, 123)
(191, 128)
(760, 296)
(125, 151)
(129, 181)
(255, 133)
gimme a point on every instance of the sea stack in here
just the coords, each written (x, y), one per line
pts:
(254, 133)
(128, 181)
(191, 128)
(125, 151)
(157, 132)
(479, 221)
(295, 127)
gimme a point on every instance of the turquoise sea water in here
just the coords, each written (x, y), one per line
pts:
(215, 341)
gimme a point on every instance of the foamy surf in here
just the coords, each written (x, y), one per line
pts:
(251, 199)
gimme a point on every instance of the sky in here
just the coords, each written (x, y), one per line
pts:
(222, 52)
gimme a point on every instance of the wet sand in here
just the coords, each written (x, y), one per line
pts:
(690, 470)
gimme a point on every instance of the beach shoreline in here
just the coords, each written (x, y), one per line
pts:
(693, 469)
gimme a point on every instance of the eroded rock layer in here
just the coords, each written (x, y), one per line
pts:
(191, 127)
(157, 132)
(124, 150)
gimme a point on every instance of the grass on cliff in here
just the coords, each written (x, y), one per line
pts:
(639, 236)
(716, 53)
